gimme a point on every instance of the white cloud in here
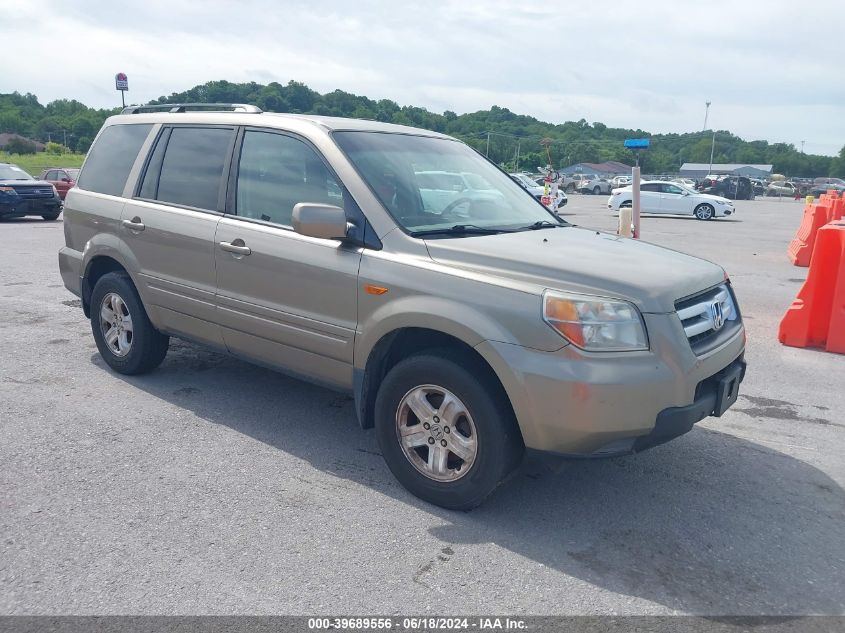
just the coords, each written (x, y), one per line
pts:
(648, 65)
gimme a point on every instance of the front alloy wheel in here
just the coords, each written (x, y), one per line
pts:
(446, 428)
(704, 212)
(436, 432)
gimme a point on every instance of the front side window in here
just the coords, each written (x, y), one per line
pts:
(111, 158)
(397, 168)
(672, 189)
(192, 167)
(276, 172)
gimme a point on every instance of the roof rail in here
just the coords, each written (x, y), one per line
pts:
(184, 107)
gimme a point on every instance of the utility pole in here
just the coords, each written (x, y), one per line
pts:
(487, 152)
(802, 146)
(712, 147)
(64, 134)
(706, 112)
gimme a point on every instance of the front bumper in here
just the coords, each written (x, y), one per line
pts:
(574, 403)
(30, 206)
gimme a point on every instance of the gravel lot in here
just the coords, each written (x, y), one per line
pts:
(213, 486)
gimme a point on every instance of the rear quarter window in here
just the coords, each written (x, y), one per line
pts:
(111, 158)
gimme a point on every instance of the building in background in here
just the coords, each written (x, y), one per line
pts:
(7, 139)
(699, 170)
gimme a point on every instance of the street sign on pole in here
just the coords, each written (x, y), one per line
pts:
(121, 82)
(636, 145)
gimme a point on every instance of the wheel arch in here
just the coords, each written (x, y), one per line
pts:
(401, 343)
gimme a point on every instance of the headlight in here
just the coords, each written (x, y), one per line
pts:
(595, 324)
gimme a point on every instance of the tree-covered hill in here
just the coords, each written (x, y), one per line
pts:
(506, 136)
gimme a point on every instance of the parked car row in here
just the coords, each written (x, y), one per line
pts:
(22, 195)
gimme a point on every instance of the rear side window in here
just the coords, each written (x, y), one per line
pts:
(276, 172)
(191, 168)
(111, 158)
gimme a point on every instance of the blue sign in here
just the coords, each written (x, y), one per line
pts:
(636, 143)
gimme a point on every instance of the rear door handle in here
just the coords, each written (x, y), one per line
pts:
(236, 248)
(134, 224)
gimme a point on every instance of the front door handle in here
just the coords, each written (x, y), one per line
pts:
(134, 224)
(237, 247)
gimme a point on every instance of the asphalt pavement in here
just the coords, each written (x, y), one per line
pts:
(216, 487)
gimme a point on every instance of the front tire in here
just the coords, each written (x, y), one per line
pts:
(596, 191)
(704, 212)
(126, 339)
(446, 430)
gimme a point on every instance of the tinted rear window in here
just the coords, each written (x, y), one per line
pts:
(192, 168)
(111, 158)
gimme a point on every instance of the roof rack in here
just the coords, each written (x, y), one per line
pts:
(184, 107)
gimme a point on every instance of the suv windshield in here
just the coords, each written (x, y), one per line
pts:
(13, 172)
(398, 169)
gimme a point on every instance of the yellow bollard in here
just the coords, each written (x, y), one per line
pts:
(809, 199)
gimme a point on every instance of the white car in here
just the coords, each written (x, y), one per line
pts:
(657, 196)
(594, 184)
(537, 190)
(620, 181)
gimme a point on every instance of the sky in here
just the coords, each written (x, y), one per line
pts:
(772, 69)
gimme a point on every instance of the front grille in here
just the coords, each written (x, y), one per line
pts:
(30, 192)
(709, 318)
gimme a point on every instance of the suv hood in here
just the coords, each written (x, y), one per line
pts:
(25, 183)
(586, 261)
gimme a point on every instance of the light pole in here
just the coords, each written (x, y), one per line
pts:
(712, 147)
(706, 112)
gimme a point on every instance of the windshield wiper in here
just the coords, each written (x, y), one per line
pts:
(542, 224)
(462, 229)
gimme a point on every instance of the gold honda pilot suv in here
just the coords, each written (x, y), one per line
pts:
(469, 323)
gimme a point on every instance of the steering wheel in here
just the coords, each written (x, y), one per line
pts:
(456, 202)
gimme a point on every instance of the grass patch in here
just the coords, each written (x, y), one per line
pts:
(34, 164)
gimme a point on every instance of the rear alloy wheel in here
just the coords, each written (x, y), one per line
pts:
(447, 432)
(127, 340)
(704, 212)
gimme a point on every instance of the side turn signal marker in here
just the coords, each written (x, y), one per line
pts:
(375, 290)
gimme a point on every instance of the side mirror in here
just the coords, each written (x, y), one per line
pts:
(325, 221)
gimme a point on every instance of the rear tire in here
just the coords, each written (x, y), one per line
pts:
(596, 191)
(51, 216)
(127, 340)
(484, 432)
